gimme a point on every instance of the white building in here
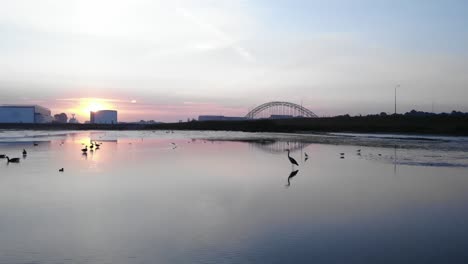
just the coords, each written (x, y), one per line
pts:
(24, 114)
(103, 117)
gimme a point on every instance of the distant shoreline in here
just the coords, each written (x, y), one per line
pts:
(437, 125)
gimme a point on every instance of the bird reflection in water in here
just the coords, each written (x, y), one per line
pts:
(291, 175)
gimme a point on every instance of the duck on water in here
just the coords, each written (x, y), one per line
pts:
(13, 160)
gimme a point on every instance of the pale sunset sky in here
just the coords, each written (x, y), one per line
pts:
(170, 60)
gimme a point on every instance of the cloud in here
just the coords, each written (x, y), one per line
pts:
(222, 39)
(222, 52)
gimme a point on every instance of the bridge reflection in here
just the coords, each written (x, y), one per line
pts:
(275, 146)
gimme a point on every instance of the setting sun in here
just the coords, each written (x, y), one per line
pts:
(87, 105)
(94, 106)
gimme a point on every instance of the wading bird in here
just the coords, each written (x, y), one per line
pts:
(13, 160)
(292, 160)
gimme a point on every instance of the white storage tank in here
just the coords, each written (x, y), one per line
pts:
(103, 117)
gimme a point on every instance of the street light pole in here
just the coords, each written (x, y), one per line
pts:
(395, 95)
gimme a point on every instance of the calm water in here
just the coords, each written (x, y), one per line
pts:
(218, 197)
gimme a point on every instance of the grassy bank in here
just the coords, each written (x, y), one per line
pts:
(448, 125)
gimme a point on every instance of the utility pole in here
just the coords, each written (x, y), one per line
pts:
(395, 95)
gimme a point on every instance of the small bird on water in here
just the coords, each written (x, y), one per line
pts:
(24, 152)
(61, 170)
(13, 160)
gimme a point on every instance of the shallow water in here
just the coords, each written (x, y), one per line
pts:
(224, 197)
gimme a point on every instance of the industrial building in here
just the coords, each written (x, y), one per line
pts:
(24, 114)
(282, 116)
(103, 117)
(220, 118)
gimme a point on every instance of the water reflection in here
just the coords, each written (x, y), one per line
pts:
(395, 160)
(224, 202)
(275, 146)
(291, 175)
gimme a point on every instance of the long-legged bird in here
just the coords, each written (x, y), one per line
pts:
(292, 160)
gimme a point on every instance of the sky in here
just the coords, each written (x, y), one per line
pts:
(171, 60)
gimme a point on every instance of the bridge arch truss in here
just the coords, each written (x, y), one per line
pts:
(269, 109)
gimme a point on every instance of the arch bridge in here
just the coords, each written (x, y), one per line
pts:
(279, 109)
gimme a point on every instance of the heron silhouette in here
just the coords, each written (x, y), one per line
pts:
(13, 160)
(291, 175)
(292, 160)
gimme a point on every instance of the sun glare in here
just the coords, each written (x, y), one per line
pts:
(94, 106)
(87, 105)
